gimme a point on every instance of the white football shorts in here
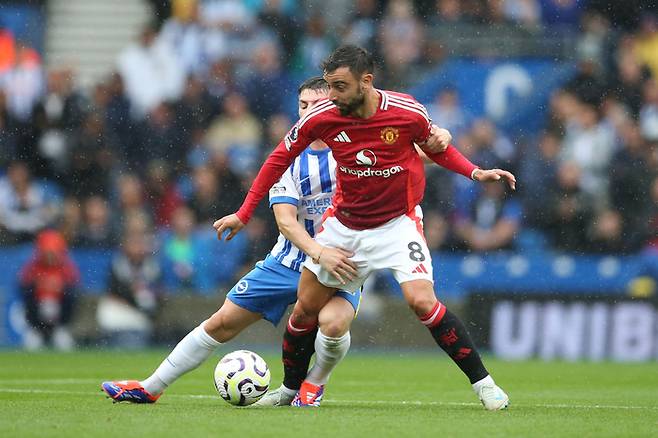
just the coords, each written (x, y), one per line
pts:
(399, 245)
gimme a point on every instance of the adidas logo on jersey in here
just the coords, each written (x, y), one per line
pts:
(342, 138)
(420, 269)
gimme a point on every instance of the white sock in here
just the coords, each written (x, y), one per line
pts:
(287, 391)
(486, 381)
(328, 352)
(190, 352)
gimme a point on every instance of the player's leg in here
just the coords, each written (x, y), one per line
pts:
(263, 293)
(411, 263)
(299, 337)
(451, 335)
(331, 345)
(189, 353)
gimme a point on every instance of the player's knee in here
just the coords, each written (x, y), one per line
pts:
(421, 304)
(302, 316)
(216, 327)
(335, 325)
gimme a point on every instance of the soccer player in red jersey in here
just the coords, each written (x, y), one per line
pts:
(375, 214)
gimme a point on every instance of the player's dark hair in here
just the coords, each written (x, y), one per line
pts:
(314, 83)
(356, 58)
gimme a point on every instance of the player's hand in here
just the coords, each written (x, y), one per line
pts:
(483, 175)
(337, 262)
(231, 223)
(438, 141)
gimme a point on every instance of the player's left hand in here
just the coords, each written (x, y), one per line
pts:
(484, 175)
(438, 141)
(231, 223)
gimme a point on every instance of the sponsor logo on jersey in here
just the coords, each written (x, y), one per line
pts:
(390, 135)
(278, 190)
(366, 157)
(385, 173)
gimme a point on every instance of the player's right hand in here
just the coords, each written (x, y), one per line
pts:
(231, 223)
(337, 262)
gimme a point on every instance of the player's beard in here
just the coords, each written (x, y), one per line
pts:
(350, 107)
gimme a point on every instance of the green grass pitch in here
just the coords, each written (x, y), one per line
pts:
(397, 394)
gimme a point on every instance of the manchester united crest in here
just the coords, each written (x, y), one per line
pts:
(390, 135)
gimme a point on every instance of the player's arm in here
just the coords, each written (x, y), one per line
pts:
(334, 260)
(275, 165)
(438, 141)
(451, 158)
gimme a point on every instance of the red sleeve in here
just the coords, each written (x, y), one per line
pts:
(453, 160)
(276, 164)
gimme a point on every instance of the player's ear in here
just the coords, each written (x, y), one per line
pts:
(366, 79)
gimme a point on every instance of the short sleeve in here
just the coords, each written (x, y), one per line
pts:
(284, 191)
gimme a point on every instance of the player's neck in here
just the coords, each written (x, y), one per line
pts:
(370, 105)
(318, 145)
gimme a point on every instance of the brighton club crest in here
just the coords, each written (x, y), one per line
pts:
(390, 135)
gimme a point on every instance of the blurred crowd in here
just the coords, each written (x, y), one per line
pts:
(145, 160)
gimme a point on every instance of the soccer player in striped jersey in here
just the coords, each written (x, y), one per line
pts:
(375, 214)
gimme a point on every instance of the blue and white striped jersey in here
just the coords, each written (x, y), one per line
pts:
(309, 184)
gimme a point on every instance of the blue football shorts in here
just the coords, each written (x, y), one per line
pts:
(271, 287)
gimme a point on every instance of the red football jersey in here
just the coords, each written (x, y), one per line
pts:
(379, 173)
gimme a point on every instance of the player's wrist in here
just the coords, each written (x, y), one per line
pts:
(475, 174)
(316, 259)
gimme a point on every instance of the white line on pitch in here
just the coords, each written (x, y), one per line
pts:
(354, 402)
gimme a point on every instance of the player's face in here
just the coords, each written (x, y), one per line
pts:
(346, 91)
(308, 98)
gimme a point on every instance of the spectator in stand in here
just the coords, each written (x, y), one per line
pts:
(273, 16)
(161, 139)
(55, 121)
(606, 234)
(195, 109)
(117, 114)
(185, 35)
(315, 45)
(48, 284)
(126, 314)
(162, 193)
(92, 157)
(491, 222)
(538, 171)
(25, 206)
(362, 29)
(491, 144)
(237, 133)
(205, 201)
(130, 204)
(401, 36)
(646, 43)
(649, 111)
(9, 133)
(151, 73)
(561, 13)
(268, 86)
(96, 231)
(590, 144)
(628, 86)
(447, 109)
(524, 12)
(70, 222)
(24, 83)
(569, 210)
(180, 250)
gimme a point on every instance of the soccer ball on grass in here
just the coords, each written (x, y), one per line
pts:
(242, 377)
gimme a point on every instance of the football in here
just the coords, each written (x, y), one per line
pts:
(242, 377)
